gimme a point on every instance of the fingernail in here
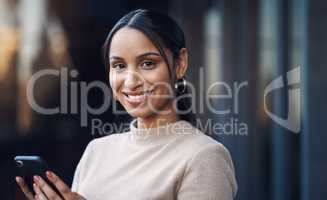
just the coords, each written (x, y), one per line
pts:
(17, 179)
(49, 174)
(36, 179)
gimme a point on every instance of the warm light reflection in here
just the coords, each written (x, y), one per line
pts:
(8, 46)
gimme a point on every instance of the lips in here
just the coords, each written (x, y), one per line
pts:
(136, 98)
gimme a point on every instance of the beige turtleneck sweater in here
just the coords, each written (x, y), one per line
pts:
(174, 161)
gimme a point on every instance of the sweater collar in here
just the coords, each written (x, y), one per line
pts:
(160, 133)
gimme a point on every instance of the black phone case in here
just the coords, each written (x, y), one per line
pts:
(28, 166)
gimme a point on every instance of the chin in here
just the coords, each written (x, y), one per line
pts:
(145, 111)
(140, 113)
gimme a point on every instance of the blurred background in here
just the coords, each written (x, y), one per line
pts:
(234, 41)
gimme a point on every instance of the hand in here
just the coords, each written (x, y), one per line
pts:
(45, 192)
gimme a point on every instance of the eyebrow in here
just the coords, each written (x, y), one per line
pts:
(139, 56)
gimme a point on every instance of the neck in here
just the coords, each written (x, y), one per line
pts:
(158, 119)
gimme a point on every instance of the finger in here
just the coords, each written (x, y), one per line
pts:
(60, 185)
(41, 197)
(45, 188)
(39, 194)
(74, 195)
(23, 186)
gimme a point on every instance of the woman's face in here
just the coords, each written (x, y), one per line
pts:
(138, 75)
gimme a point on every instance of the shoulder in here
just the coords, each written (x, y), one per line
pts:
(210, 163)
(196, 141)
(201, 147)
(204, 149)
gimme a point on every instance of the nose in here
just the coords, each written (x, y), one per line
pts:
(133, 80)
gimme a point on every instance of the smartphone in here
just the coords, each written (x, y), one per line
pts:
(28, 166)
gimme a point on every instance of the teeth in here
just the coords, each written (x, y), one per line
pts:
(139, 97)
(136, 96)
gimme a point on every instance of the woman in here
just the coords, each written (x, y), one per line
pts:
(162, 156)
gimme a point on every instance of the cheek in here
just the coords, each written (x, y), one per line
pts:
(115, 82)
(160, 81)
(159, 76)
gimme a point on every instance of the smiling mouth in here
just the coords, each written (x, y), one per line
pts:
(137, 97)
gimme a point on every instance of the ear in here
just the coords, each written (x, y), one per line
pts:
(182, 63)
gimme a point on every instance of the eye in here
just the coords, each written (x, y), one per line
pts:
(148, 64)
(118, 66)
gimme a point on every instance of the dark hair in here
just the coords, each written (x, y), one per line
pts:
(163, 32)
